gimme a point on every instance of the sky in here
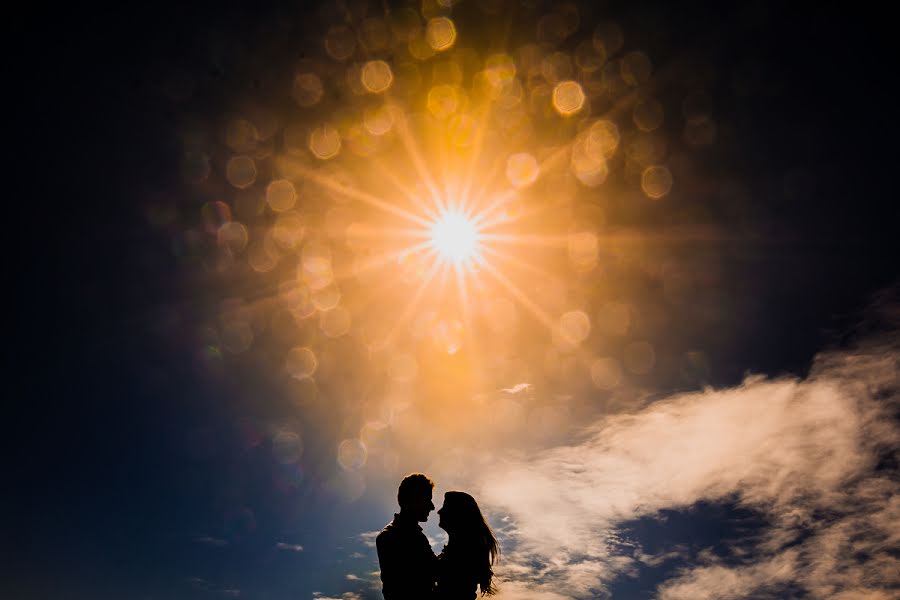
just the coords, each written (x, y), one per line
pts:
(623, 271)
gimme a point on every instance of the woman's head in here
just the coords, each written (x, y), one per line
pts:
(462, 519)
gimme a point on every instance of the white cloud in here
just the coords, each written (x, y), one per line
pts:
(802, 453)
(289, 547)
(521, 591)
(737, 582)
(519, 387)
(368, 538)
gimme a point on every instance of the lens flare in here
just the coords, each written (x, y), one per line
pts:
(455, 238)
(436, 206)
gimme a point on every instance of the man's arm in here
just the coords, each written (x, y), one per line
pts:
(427, 562)
(387, 558)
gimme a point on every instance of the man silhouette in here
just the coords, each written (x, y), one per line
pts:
(408, 565)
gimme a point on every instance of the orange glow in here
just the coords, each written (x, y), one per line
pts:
(437, 206)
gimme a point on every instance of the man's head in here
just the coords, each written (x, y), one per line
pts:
(414, 496)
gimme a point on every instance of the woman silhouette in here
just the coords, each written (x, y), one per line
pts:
(466, 561)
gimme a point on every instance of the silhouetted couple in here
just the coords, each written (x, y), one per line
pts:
(409, 568)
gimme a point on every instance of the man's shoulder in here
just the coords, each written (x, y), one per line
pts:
(386, 533)
(399, 532)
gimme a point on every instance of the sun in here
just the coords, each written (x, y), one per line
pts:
(455, 238)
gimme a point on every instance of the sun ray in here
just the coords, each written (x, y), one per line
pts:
(382, 290)
(501, 200)
(379, 260)
(352, 192)
(442, 282)
(469, 321)
(462, 291)
(507, 196)
(418, 161)
(698, 233)
(480, 134)
(495, 170)
(550, 162)
(554, 159)
(501, 219)
(581, 355)
(519, 295)
(525, 266)
(428, 210)
(413, 303)
(469, 339)
(522, 239)
(366, 231)
(482, 129)
(443, 161)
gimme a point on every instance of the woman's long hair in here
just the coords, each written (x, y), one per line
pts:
(472, 528)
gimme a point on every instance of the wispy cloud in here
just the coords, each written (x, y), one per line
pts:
(368, 538)
(519, 387)
(803, 454)
(289, 547)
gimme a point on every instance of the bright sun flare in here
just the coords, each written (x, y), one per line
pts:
(455, 237)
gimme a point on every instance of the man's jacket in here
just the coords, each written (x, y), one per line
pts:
(408, 565)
